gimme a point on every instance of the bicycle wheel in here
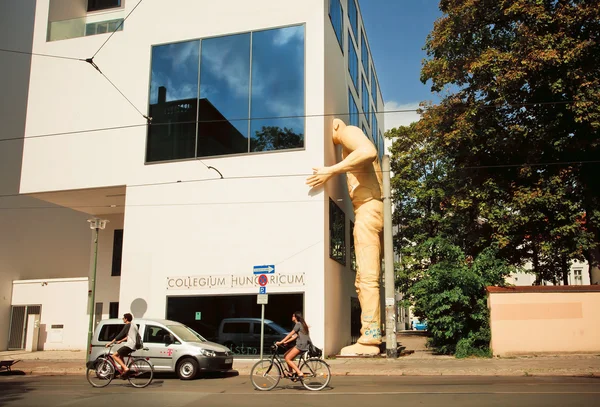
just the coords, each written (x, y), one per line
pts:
(316, 374)
(102, 373)
(265, 375)
(140, 373)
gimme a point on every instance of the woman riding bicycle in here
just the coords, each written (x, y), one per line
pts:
(300, 334)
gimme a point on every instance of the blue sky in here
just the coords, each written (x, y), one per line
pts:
(397, 30)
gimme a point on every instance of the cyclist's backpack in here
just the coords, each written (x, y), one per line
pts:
(313, 351)
(138, 341)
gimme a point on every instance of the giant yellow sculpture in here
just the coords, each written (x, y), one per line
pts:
(360, 163)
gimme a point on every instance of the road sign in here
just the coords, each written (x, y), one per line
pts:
(262, 299)
(262, 290)
(270, 269)
(263, 280)
(198, 316)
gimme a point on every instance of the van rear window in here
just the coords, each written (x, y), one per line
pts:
(109, 332)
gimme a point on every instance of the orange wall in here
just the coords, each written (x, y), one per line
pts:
(534, 321)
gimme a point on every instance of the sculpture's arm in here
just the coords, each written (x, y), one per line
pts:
(362, 152)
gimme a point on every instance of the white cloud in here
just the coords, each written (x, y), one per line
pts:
(285, 35)
(397, 119)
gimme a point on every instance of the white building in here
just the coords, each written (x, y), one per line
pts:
(201, 195)
(578, 275)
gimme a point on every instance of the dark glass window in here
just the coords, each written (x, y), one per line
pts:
(352, 250)
(117, 255)
(364, 55)
(373, 86)
(381, 145)
(365, 99)
(224, 95)
(353, 62)
(277, 89)
(353, 17)
(95, 5)
(336, 16)
(375, 129)
(211, 82)
(352, 110)
(236, 327)
(364, 129)
(109, 332)
(154, 334)
(337, 233)
(113, 310)
(173, 101)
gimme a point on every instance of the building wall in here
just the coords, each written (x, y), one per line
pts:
(70, 314)
(208, 226)
(35, 242)
(532, 320)
(578, 275)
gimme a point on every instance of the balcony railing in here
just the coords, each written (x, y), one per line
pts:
(81, 27)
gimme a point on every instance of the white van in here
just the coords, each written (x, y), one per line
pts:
(170, 346)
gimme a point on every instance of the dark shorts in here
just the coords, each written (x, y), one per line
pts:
(124, 351)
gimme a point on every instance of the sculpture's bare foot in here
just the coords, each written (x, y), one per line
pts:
(360, 349)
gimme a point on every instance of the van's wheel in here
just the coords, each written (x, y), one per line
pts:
(187, 368)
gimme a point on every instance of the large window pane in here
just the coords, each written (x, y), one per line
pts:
(364, 55)
(336, 16)
(337, 233)
(373, 87)
(353, 17)
(353, 62)
(95, 5)
(224, 95)
(173, 100)
(365, 99)
(352, 110)
(277, 105)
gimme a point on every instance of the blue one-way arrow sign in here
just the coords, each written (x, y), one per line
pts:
(264, 269)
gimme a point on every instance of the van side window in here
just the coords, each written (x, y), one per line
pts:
(236, 328)
(154, 334)
(268, 329)
(109, 332)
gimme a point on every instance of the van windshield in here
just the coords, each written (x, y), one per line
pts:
(186, 334)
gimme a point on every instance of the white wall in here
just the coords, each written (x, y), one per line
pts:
(34, 243)
(72, 314)
(527, 279)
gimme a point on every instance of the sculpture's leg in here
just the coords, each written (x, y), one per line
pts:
(367, 240)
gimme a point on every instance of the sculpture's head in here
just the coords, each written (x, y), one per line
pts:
(338, 127)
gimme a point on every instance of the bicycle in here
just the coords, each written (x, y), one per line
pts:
(266, 373)
(104, 369)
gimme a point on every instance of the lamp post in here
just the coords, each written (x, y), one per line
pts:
(95, 224)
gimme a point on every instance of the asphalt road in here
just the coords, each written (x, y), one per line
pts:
(345, 390)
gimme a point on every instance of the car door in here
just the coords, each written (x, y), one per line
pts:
(160, 353)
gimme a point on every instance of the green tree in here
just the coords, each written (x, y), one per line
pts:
(276, 138)
(452, 297)
(520, 123)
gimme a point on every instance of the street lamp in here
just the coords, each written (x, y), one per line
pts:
(95, 224)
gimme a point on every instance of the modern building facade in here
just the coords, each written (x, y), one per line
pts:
(192, 131)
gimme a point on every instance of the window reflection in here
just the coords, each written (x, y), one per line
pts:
(224, 95)
(352, 110)
(173, 100)
(277, 106)
(206, 99)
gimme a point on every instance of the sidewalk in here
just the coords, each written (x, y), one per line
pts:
(420, 363)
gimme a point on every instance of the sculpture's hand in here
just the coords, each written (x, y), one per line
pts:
(320, 176)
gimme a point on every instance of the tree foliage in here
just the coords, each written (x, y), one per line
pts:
(452, 296)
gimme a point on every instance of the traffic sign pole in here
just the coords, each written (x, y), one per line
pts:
(262, 330)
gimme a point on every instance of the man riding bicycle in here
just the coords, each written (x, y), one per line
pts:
(128, 335)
